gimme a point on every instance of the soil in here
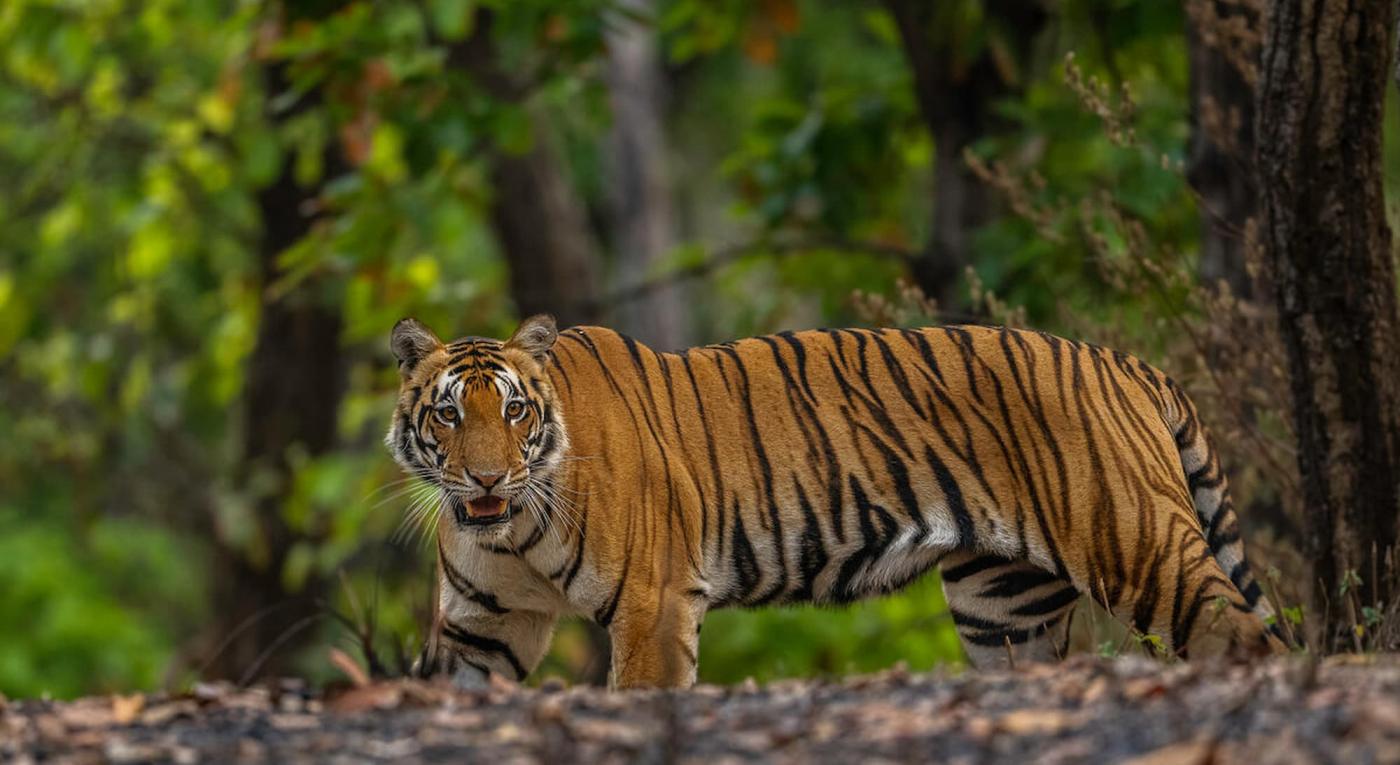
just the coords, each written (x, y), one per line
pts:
(1293, 710)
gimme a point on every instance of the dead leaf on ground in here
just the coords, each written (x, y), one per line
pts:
(86, 713)
(1184, 753)
(1036, 721)
(126, 708)
(1096, 690)
(1143, 688)
(347, 665)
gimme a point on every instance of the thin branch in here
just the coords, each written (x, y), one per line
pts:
(735, 253)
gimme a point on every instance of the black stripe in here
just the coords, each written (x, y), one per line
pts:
(466, 589)
(896, 370)
(1016, 581)
(1004, 637)
(876, 540)
(972, 621)
(1048, 604)
(970, 568)
(813, 558)
(484, 644)
(765, 471)
(967, 531)
(745, 563)
(920, 341)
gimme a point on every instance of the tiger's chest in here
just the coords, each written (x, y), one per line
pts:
(482, 577)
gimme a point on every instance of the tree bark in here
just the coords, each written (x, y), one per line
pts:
(539, 220)
(543, 232)
(295, 380)
(642, 217)
(1325, 69)
(956, 101)
(1220, 156)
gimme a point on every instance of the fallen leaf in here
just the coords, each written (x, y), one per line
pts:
(1184, 753)
(294, 722)
(126, 708)
(1036, 721)
(1143, 688)
(1095, 691)
(500, 683)
(979, 728)
(347, 665)
(86, 713)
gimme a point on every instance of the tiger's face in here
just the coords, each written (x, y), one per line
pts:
(479, 418)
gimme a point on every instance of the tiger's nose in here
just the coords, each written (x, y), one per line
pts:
(487, 480)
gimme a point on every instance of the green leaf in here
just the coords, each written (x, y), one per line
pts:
(452, 19)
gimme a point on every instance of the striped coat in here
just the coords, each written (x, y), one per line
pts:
(821, 466)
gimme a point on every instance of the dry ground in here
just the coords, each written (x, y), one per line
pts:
(1085, 710)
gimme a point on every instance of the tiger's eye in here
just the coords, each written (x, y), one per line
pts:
(447, 414)
(514, 409)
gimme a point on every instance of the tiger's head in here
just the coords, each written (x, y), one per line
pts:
(479, 419)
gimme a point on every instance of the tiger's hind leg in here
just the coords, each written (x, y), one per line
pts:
(1169, 585)
(1007, 611)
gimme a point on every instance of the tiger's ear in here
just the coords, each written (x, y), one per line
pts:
(410, 342)
(535, 336)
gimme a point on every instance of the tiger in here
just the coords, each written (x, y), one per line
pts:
(582, 473)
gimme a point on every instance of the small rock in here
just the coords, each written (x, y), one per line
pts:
(294, 722)
(209, 692)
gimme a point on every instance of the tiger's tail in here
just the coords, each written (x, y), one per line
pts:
(1210, 492)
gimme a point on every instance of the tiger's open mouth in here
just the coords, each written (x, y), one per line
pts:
(481, 511)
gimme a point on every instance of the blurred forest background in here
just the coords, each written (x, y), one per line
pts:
(214, 210)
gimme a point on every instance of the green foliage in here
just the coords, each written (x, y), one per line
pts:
(95, 610)
(913, 627)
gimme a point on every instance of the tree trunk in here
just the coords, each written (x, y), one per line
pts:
(295, 379)
(543, 233)
(1325, 69)
(540, 222)
(956, 100)
(641, 213)
(1220, 158)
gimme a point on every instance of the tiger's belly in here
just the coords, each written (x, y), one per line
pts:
(874, 551)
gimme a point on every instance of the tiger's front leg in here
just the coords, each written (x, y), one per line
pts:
(471, 639)
(655, 642)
